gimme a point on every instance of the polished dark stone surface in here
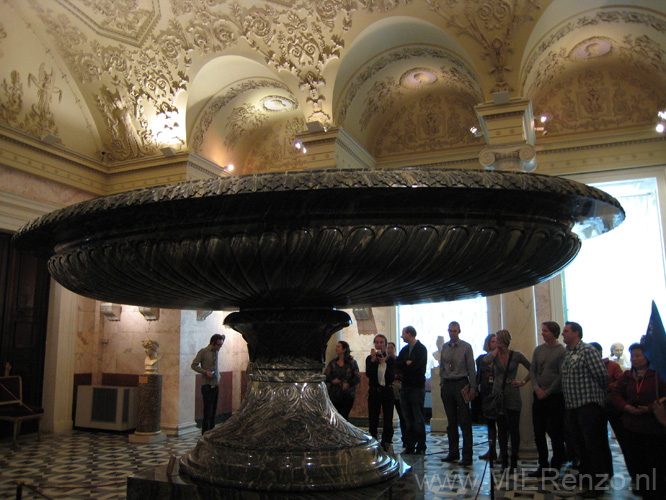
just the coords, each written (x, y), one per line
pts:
(150, 403)
(288, 248)
(321, 238)
(156, 484)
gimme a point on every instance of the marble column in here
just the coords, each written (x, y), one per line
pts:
(150, 409)
(518, 315)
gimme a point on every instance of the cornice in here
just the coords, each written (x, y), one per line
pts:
(585, 155)
(55, 163)
(16, 211)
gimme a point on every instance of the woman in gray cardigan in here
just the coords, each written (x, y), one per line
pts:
(506, 363)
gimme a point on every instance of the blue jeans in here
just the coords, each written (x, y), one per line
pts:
(412, 401)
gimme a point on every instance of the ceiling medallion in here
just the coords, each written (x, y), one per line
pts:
(418, 77)
(278, 103)
(591, 48)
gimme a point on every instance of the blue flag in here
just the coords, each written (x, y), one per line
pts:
(654, 342)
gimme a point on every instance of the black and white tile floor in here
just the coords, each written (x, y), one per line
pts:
(95, 465)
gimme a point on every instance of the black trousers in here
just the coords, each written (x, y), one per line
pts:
(645, 455)
(209, 394)
(509, 425)
(381, 398)
(589, 429)
(459, 415)
(548, 418)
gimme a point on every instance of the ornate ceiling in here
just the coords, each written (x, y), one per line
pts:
(116, 82)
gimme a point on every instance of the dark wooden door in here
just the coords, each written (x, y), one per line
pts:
(24, 289)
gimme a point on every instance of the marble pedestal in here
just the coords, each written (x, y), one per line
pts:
(150, 410)
(438, 421)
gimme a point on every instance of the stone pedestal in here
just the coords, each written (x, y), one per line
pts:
(156, 484)
(438, 422)
(287, 436)
(150, 410)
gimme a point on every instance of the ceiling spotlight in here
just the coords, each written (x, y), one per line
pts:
(304, 150)
(298, 145)
(539, 125)
(229, 167)
(476, 131)
(661, 126)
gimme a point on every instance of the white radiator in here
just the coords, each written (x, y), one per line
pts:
(106, 407)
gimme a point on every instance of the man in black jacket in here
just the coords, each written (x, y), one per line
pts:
(412, 363)
(380, 370)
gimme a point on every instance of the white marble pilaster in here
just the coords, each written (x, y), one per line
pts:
(59, 360)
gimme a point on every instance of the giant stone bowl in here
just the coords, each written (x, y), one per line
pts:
(287, 249)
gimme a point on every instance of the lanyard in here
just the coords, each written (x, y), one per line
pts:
(638, 387)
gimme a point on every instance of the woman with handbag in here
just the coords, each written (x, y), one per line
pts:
(506, 396)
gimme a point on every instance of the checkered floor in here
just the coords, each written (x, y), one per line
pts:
(95, 465)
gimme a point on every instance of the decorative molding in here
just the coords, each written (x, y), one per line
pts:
(547, 57)
(433, 123)
(16, 211)
(123, 21)
(220, 101)
(25, 153)
(453, 72)
(492, 25)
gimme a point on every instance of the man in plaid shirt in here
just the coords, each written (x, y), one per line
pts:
(584, 382)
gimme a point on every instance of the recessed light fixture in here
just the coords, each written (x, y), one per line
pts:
(277, 103)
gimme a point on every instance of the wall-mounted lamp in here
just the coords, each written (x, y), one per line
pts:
(50, 139)
(361, 313)
(111, 311)
(150, 313)
(202, 315)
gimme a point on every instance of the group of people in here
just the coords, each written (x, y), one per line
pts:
(394, 381)
(576, 393)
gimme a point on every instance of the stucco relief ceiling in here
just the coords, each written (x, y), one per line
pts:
(120, 80)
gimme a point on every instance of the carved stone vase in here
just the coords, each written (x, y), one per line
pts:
(286, 250)
(287, 435)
